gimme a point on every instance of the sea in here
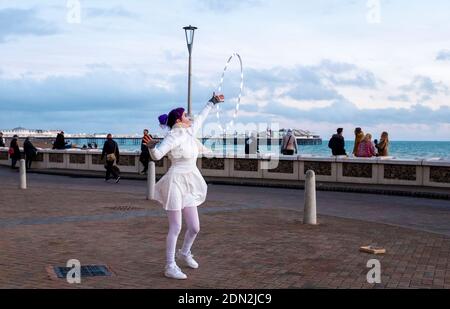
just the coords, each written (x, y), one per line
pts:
(397, 149)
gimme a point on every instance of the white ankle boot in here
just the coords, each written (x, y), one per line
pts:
(174, 272)
(188, 259)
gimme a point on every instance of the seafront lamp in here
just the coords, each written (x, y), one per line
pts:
(189, 31)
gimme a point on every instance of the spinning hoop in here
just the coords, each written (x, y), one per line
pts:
(219, 90)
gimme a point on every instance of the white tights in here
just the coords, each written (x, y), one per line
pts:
(190, 215)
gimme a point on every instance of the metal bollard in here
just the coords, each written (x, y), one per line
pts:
(23, 175)
(151, 180)
(310, 214)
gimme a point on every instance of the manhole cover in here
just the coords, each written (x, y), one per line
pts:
(124, 208)
(86, 271)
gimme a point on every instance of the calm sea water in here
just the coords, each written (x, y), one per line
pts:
(398, 149)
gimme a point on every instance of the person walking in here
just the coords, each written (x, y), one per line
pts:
(144, 158)
(182, 189)
(111, 152)
(383, 145)
(337, 143)
(30, 152)
(14, 151)
(289, 144)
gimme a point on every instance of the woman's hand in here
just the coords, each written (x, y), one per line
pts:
(217, 98)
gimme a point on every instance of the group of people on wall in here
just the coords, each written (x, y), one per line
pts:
(364, 147)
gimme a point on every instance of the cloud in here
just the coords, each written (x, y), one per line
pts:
(220, 6)
(309, 83)
(105, 99)
(346, 74)
(117, 11)
(443, 55)
(425, 88)
(19, 22)
(102, 99)
(399, 98)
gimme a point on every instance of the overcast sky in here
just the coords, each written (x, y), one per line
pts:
(314, 65)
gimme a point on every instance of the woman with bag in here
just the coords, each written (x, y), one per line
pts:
(111, 151)
(14, 151)
(182, 189)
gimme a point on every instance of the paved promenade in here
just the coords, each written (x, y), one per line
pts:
(250, 237)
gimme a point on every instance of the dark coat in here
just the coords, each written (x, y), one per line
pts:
(2, 142)
(60, 142)
(29, 149)
(15, 145)
(109, 147)
(337, 145)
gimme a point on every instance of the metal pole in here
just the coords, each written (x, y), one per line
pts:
(189, 83)
(23, 175)
(310, 214)
(151, 180)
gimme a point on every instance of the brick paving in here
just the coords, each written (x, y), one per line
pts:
(238, 246)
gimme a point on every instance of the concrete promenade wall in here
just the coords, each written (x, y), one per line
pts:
(386, 171)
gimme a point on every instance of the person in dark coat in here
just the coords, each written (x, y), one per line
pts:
(337, 144)
(14, 151)
(30, 152)
(145, 153)
(111, 152)
(2, 140)
(60, 142)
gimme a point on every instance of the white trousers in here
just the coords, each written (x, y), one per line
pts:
(191, 219)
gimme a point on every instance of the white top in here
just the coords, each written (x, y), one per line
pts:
(183, 185)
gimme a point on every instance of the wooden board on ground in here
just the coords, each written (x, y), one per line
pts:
(372, 250)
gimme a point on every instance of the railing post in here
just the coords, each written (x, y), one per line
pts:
(310, 214)
(151, 180)
(23, 175)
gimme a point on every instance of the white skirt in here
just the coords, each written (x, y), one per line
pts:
(178, 189)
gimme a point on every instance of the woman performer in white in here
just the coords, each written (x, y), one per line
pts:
(183, 188)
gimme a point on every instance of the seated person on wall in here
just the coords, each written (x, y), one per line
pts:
(366, 148)
(383, 145)
(359, 136)
(60, 142)
(337, 143)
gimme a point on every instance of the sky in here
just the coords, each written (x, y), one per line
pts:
(92, 66)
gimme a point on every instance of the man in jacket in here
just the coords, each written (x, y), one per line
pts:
(30, 152)
(111, 152)
(2, 140)
(145, 154)
(337, 143)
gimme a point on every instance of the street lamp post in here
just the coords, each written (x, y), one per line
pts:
(189, 31)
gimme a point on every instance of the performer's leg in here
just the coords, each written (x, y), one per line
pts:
(172, 237)
(192, 228)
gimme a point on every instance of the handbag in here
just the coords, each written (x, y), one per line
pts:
(112, 156)
(11, 151)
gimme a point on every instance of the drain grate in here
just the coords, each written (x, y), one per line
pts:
(86, 271)
(124, 208)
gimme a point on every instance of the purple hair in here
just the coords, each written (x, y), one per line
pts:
(163, 119)
(174, 115)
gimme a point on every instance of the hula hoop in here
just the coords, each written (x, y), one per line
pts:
(241, 88)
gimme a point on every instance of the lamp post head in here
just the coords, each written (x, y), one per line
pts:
(189, 31)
